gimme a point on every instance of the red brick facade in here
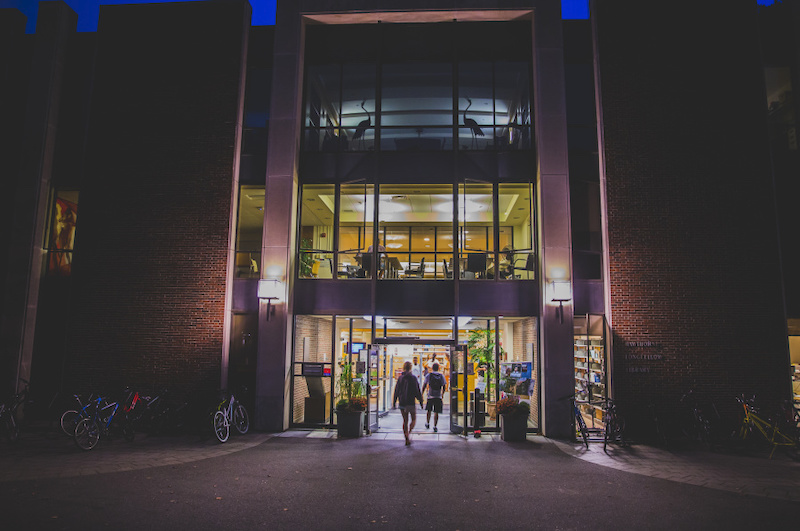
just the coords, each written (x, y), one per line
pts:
(148, 302)
(696, 297)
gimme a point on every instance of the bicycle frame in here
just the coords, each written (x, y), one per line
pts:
(227, 409)
(769, 431)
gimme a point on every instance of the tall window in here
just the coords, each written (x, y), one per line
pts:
(415, 106)
(416, 230)
(476, 230)
(249, 229)
(61, 238)
(356, 214)
(316, 231)
(340, 107)
(517, 256)
(494, 107)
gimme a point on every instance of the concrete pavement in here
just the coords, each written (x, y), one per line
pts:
(42, 454)
(311, 480)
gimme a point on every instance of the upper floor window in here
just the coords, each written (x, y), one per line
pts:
(419, 106)
(61, 237)
(423, 231)
(249, 229)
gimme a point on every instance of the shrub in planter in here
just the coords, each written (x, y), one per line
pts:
(514, 415)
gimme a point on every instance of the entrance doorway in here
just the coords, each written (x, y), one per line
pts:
(483, 359)
(387, 357)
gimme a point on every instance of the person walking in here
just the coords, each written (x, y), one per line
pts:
(406, 391)
(436, 386)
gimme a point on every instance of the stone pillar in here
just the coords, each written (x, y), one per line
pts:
(280, 210)
(554, 218)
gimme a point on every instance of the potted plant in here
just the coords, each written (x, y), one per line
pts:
(352, 404)
(480, 347)
(306, 259)
(514, 418)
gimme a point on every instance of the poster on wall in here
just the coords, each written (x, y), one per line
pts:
(516, 378)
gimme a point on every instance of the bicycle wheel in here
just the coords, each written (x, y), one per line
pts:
(581, 425)
(69, 419)
(221, 428)
(87, 433)
(240, 419)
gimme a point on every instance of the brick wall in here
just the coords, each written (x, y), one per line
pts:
(695, 286)
(151, 248)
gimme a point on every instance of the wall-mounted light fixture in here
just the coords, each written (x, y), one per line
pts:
(270, 289)
(560, 294)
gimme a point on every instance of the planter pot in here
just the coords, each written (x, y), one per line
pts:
(513, 428)
(349, 423)
(491, 410)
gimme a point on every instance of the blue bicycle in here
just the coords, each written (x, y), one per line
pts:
(101, 420)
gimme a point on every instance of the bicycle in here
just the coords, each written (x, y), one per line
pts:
(8, 412)
(771, 433)
(615, 425)
(89, 430)
(694, 425)
(71, 417)
(230, 412)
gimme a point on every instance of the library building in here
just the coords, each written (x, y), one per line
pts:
(551, 212)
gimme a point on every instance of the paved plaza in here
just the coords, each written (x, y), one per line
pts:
(308, 479)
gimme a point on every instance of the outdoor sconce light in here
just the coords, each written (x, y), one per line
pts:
(561, 294)
(270, 289)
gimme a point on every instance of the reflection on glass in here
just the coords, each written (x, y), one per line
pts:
(417, 106)
(340, 107)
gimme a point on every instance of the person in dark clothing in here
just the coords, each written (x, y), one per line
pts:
(436, 385)
(406, 391)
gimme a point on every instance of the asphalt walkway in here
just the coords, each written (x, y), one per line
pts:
(42, 454)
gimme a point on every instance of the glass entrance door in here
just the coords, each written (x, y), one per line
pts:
(458, 389)
(374, 385)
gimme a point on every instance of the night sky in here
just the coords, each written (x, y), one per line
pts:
(263, 10)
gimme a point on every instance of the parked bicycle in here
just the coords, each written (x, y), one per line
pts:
(753, 424)
(159, 414)
(8, 412)
(230, 412)
(694, 424)
(614, 425)
(101, 421)
(71, 417)
(582, 431)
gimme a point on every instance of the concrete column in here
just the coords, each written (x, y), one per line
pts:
(56, 22)
(280, 212)
(555, 323)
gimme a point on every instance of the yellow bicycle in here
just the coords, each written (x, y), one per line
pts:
(752, 423)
